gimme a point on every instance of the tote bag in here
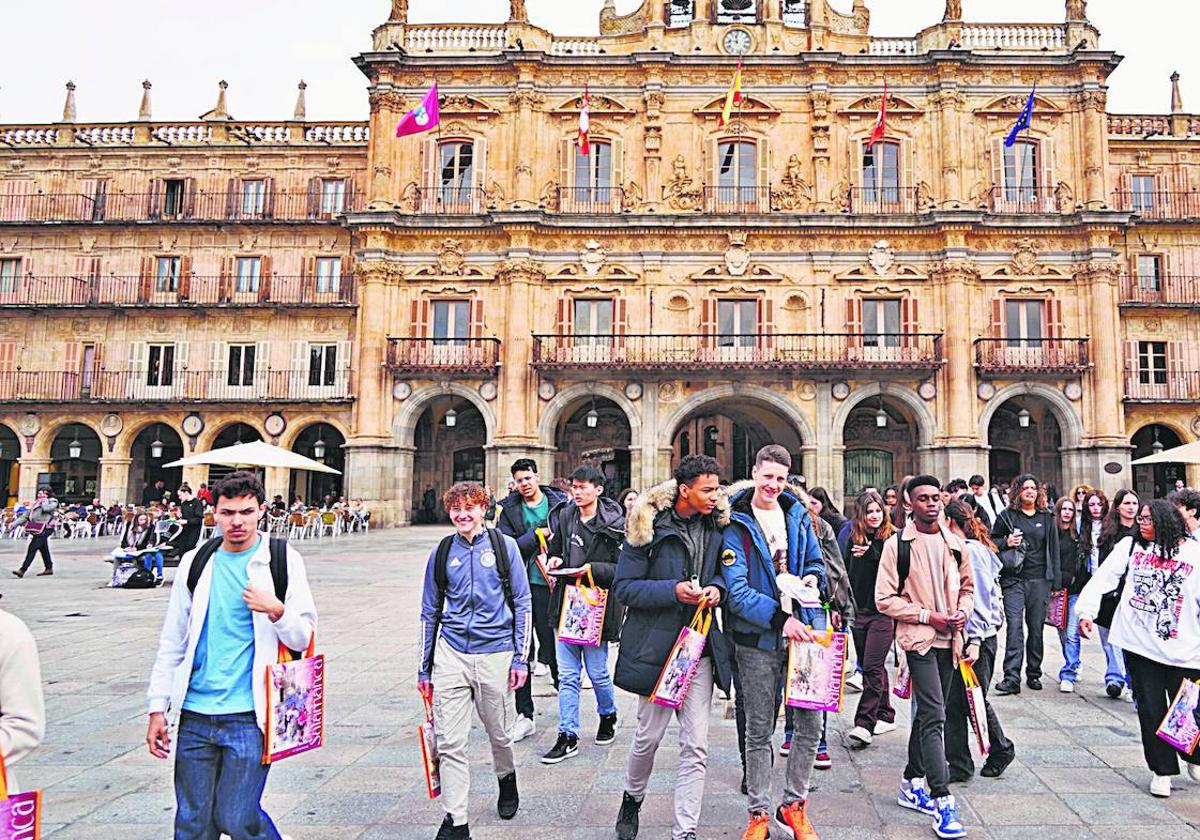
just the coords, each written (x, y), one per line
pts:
(815, 672)
(20, 813)
(295, 704)
(581, 621)
(976, 711)
(427, 736)
(1057, 609)
(1179, 727)
(680, 668)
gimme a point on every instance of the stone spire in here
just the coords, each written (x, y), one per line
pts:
(221, 112)
(301, 113)
(1176, 96)
(144, 108)
(69, 106)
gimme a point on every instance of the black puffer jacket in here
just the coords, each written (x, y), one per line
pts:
(597, 543)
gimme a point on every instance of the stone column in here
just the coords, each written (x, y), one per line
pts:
(383, 187)
(955, 276)
(517, 384)
(30, 467)
(525, 142)
(825, 464)
(113, 483)
(277, 480)
(372, 417)
(1107, 426)
(949, 100)
(381, 474)
(1092, 103)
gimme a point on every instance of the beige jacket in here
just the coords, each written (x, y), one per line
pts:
(22, 708)
(937, 584)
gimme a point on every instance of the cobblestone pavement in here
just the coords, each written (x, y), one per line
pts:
(1079, 771)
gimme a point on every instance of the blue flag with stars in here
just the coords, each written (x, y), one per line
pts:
(1023, 121)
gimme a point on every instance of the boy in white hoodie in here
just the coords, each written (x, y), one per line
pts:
(22, 708)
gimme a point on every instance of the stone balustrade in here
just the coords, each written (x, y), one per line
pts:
(27, 135)
(576, 46)
(893, 46)
(102, 135)
(442, 39)
(1024, 37)
(1138, 125)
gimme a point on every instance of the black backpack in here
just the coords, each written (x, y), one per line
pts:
(441, 580)
(279, 570)
(904, 561)
(140, 579)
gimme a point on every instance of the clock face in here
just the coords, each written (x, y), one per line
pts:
(737, 42)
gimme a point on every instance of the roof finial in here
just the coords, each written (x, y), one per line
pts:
(221, 112)
(516, 11)
(301, 107)
(1176, 96)
(399, 11)
(69, 106)
(953, 10)
(1077, 10)
(144, 108)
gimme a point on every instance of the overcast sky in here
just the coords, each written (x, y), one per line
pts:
(263, 47)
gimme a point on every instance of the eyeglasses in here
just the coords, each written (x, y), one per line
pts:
(1143, 520)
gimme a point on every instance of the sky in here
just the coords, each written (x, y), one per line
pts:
(264, 47)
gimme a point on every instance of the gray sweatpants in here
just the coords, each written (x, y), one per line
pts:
(759, 671)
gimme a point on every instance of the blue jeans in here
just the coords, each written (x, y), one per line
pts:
(1115, 672)
(571, 660)
(219, 778)
(1070, 644)
(154, 558)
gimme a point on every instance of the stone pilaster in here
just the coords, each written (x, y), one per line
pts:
(30, 467)
(113, 484)
(525, 142)
(383, 179)
(955, 276)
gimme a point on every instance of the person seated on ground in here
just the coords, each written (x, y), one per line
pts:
(139, 538)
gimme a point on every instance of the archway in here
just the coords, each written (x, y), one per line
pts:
(10, 466)
(881, 439)
(1154, 481)
(449, 439)
(1025, 437)
(232, 435)
(155, 445)
(74, 464)
(597, 432)
(325, 444)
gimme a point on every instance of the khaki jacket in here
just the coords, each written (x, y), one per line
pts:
(926, 576)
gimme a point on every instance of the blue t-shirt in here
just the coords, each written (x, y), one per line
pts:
(223, 669)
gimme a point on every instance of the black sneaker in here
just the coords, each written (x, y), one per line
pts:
(450, 831)
(1035, 683)
(627, 818)
(996, 764)
(565, 747)
(607, 733)
(1113, 690)
(1007, 686)
(509, 801)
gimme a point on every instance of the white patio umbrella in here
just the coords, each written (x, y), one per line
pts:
(1189, 453)
(256, 454)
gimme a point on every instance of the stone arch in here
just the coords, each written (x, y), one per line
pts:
(1069, 422)
(907, 397)
(297, 425)
(404, 426)
(212, 431)
(1181, 429)
(124, 445)
(552, 414)
(47, 434)
(787, 409)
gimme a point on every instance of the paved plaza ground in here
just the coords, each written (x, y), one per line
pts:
(1079, 771)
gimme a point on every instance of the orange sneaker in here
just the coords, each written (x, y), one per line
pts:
(759, 828)
(793, 819)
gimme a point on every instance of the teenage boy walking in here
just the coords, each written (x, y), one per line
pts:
(769, 526)
(207, 683)
(925, 583)
(667, 565)
(475, 626)
(588, 532)
(522, 513)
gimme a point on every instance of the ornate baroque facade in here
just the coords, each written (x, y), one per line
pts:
(442, 304)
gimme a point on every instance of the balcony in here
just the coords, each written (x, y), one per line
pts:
(887, 201)
(276, 206)
(455, 201)
(782, 352)
(1168, 291)
(1162, 386)
(1031, 356)
(737, 199)
(444, 357)
(1159, 205)
(185, 291)
(591, 199)
(1024, 201)
(126, 386)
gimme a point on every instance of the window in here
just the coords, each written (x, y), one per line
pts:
(241, 365)
(329, 274)
(249, 273)
(1143, 192)
(253, 197)
(10, 274)
(881, 173)
(451, 321)
(736, 11)
(1149, 272)
(1021, 163)
(1023, 325)
(322, 364)
(737, 165)
(166, 274)
(456, 164)
(333, 196)
(173, 197)
(881, 322)
(160, 368)
(593, 317)
(593, 173)
(794, 15)
(680, 12)
(1152, 362)
(737, 323)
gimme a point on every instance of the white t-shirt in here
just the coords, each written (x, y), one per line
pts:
(774, 528)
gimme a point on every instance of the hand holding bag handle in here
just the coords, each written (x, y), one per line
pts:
(587, 591)
(702, 620)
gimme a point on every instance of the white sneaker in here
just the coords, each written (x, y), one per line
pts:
(1127, 695)
(1066, 687)
(1193, 771)
(541, 669)
(854, 681)
(522, 729)
(1160, 786)
(859, 736)
(883, 727)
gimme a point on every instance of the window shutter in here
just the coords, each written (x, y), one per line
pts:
(766, 323)
(1132, 378)
(218, 357)
(269, 198)
(909, 321)
(620, 325)
(215, 380)
(346, 280)
(857, 177)
(562, 318)
(998, 185)
(476, 318)
(618, 174)
(154, 198)
(182, 359)
(147, 279)
(308, 277)
(429, 163)
(762, 178)
(262, 366)
(264, 282)
(1054, 318)
(708, 322)
(71, 354)
(341, 378)
(480, 200)
(997, 326)
(231, 198)
(189, 198)
(566, 174)
(225, 281)
(1046, 176)
(314, 198)
(136, 368)
(854, 321)
(295, 383)
(348, 205)
(185, 277)
(8, 366)
(420, 318)
(98, 389)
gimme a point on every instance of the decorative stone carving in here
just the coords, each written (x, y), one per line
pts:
(401, 391)
(546, 391)
(410, 197)
(794, 192)
(927, 390)
(985, 391)
(881, 257)
(655, 99)
(613, 24)
(1025, 259)
(516, 11)
(549, 197)
(1064, 198)
(737, 256)
(1073, 391)
(840, 390)
(526, 98)
(953, 10)
(980, 193)
(488, 390)
(806, 391)
(925, 199)
(450, 257)
(494, 195)
(399, 11)
(1077, 10)
(631, 197)
(668, 392)
(841, 196)
(633, 390)
(29, 425)
(681, 192)
(386, 100)
(532, 270)
(592, 257)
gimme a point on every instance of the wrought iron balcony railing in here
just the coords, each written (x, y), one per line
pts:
(466, 356)
(178, 290)
(1031, 356)
(1024, 200)
(176, 385)
(885, 201)
(1162, 386)
(184, 206)
(737, 199)
(1159, 204)
(591, 199)
(1168, 290)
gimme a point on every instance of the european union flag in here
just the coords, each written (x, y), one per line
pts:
(1023, 121)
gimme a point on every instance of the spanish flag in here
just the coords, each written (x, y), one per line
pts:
(734, 96)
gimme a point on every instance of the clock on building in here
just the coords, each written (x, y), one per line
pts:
(737, 42)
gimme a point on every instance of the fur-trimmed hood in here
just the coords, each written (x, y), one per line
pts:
(748, 484)
(639, 527)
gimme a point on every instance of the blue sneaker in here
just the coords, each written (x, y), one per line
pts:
(915, 797)
(946, 823)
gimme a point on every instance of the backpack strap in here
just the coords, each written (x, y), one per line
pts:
(504, 570)
(279, 568)
(903, 562)
(441, 580)
(203, 555)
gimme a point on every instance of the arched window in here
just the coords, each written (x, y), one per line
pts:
(881, 173)
(737, 172)
(456, 174)
(594, 176)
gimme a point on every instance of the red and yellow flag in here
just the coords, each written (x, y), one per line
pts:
(734, 96)
(880, 129)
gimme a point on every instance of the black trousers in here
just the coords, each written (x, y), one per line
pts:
(1025, 603)
(540, 595)
(958, 736)
(931, 673)
(1154, 688)
(873, 637)
(39, 544)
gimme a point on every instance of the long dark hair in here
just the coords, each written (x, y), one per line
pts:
(1169, 528)
(1070, 528)
(1112, 522)
(858, 525)
(1085, 521)
(960, 513)
(829, 511)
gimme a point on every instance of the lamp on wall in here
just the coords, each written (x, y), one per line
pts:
(451, 419)
(319, 448)
(1023, 418)
(156, 447)
(881, 417)
(1156, 447)
(592, 419)
(75, 448)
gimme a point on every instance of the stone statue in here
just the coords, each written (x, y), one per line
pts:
(1076, 9)
(953, 10)
(794, 192)
(399, 11)
(516, 10)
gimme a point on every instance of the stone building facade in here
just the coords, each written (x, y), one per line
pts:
(431, 308)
